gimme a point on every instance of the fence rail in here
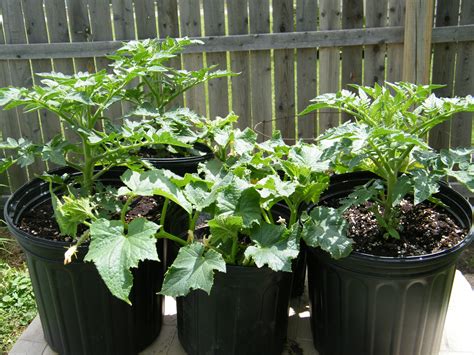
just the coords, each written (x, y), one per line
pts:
(286, 51)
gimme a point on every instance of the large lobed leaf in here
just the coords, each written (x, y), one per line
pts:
(192, 269)
(326, 228)
(273, 247)
(115, 251)
(153, 182)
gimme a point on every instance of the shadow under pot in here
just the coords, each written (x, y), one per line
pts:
(200, 153)
(78, 313)
(366, 304)
(245, 313)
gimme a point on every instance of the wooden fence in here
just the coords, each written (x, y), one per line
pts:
(287, 52)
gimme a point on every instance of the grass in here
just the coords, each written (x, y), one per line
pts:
(17, 304)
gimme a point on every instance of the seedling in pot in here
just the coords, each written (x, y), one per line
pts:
(388, 138)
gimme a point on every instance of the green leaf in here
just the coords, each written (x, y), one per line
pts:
(192, 269)
(244, 140)
(308, 156)
(114, 251)
(424, 185)
(326, 228)
(153, 182)
(246, 203)
(66, 226)
(224, 231)
(273, 247)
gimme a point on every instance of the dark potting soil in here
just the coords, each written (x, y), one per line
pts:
(40, 220)
(424, 229)
(164, 153)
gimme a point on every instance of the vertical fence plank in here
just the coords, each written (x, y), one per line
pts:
(417, 41)
(352, 17)
(260, 74)
(80, 31)
(374, 55)
(21, 75)
(214, 22)
(124, 25)
(238, 21)
(396, 17)
(191, 26)
(284, 72)
(330, 19)
(461, 126)
(444, 55)
(168, 26)
(306, 74)
(145, 17)
(58, 32)
(37, 33)
(9, 126)
(124, 29)
(101, 30)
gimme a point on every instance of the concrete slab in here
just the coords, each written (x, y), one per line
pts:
(457, 338)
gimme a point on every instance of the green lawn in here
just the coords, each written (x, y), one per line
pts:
(17, 304)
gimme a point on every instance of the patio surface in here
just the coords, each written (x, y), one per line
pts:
(457, 337)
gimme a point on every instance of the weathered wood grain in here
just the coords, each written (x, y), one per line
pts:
(260, 75)
(36, 32)
(329, 62)
(21, 75)
(190, 26)
(238, 22)
(284, 62)
(306, 73)
(168, 26)
(461, 126)
(254, 42)
(374, 55)
(417, 42)
(352, 17)
(444, 56)
(145, 18)
(101, 30)
(396, 17)
(214, 25)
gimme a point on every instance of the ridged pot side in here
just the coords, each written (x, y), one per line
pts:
(78, 313)
(365, 304)
(245, 313)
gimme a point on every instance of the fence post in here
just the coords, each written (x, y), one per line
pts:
(417, 42)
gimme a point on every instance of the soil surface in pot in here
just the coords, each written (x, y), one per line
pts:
(40, 221)
(424, 229)
(165, 153)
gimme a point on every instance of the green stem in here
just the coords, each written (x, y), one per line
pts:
(387, 213)
(193, 220)
(124, 210)
(163, 212)
(153, 91)
(265, 215)
(88, 170)
(164, 234)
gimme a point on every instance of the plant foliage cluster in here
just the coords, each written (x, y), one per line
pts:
(17, 303)
(251, 195)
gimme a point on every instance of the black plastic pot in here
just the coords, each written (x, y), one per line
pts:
(183, 165)
(366, 304)
(78, 313)
(246, 313)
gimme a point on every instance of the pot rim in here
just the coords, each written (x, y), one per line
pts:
(198, 146)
